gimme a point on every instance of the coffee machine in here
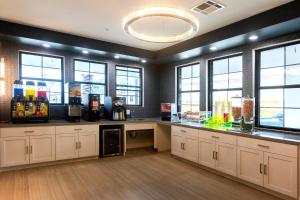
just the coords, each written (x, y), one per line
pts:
(73, 100)
(91, 110)
(115, 108)
(168, 111)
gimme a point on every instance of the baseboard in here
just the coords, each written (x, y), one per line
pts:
(56, 162)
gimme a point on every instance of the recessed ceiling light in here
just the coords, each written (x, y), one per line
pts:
(46, 45)
(85, 52)
(213, 48)
(116, 56)
(144, 61)
(185, 56)
(253, 37)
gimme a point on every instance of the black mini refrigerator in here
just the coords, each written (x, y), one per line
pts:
(111, 140)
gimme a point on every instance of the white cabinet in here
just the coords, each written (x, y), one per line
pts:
(42, 148)
(225, 157)
(185, 143)
(190, 147)
(250, 165)
(176, 144)
(77, 141)
(88, 144)
(14, 151)
(66, 146)
(218, 151)
(20, 146)
(280, 174)
(263, 165)
(207, 152)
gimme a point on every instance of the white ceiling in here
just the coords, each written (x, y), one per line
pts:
(102, 20)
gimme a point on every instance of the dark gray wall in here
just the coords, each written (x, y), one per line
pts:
(167, 72)
(9, 51)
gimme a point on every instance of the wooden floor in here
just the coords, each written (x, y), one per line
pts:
(141, 175)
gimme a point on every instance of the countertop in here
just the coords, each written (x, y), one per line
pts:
(277, 136)
(81, 122)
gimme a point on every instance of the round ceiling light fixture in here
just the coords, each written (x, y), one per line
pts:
(161, 12)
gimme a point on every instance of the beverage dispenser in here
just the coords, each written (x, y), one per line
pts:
(34, 106)
(73, 98)
(42, 108)
(91, 110)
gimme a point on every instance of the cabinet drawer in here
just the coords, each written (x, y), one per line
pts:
(268, 146)
(25, 131)
(219, 137)
(76, 128)
(186, 131)
(139, 126)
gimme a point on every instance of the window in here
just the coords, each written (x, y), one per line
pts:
(225, 79)
(188, 89)
(129, 84)
(278, 87)
(39, 67)
(92, 76)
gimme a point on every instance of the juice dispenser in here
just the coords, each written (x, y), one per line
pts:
(30, 97)
(17, 102)
(42, 108)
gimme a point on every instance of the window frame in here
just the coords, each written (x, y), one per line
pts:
(91, 83)
(62, 81)
(178, 92)
(210, 86)
(258, 87)
(141, 72)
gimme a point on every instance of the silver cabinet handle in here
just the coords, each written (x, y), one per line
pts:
(79, 145)
(183, 146)
(263, 146)
(77, 129)
(215, 137)
(183, 131)
(26, 149)
(28, 131)
(30, 151)
(213, 154)
(216, 155)
(260, 168)
(265, 169)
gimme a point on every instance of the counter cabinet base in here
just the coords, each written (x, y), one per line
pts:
(276, 194)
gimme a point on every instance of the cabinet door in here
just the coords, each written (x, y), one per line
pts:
(14, 151)
(206, 150)
(226, 158)
(42, 148)
(66, 146)
(88, 144)
(250, 165)
(177, 144)
(280, 174)
(190, 148)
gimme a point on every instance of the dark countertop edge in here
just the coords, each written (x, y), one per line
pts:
(284, 136)
(285, 140)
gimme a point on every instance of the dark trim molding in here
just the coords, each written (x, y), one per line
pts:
(19, 30)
